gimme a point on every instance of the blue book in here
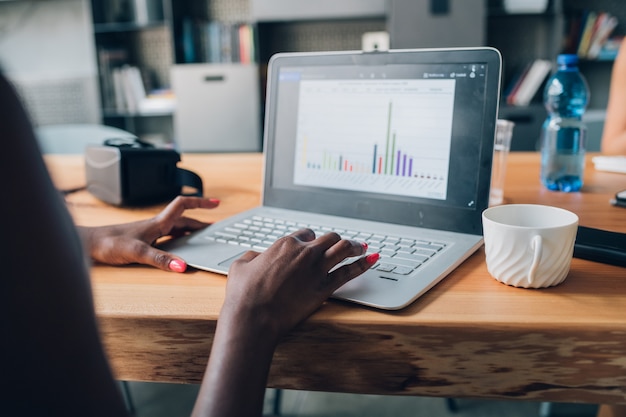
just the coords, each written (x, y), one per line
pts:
(189, 53)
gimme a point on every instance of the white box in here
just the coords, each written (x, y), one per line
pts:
(218, 108)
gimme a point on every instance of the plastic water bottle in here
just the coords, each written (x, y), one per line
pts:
(563, 133)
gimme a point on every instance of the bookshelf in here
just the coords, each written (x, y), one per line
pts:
(525, 37)
(133, 54)
(160, 43)
(139, 43)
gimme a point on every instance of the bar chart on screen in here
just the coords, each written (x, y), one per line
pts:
(387, 136)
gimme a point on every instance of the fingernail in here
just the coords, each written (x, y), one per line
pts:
(214, 200)
(177, 265)
(372, 258)
(365, 246)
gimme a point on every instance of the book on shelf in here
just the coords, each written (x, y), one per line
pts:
(529, 83)
(118, 88)
(188, 41)
(110, 59)
(511, 90)
(589, 31)
(134, 89)
(589, 26)
(246, 44)
(223, 42)
(213, 50)
(131, 96)
(226, 44)
(600, 37)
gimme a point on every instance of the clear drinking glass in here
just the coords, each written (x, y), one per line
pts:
(501, 148)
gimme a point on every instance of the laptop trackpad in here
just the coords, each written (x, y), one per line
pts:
(228, 262)
(202, 254)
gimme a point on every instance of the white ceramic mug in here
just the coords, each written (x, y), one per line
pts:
(529, 245)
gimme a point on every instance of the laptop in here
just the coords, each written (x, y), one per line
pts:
(392, 148)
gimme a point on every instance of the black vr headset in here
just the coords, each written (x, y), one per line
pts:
(131, 172)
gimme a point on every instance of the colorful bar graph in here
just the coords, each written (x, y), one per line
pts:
(386, 159)
(400, 165)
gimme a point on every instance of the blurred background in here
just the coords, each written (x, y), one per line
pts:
(127, 63)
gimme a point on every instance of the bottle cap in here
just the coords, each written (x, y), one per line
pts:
(567, 59)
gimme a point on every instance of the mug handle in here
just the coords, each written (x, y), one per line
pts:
(536, 244)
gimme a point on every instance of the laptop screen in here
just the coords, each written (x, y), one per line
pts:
(402, 137)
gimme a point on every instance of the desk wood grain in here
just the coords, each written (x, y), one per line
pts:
(468, 336)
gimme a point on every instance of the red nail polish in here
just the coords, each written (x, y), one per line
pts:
(214, 200)
(365, 245)
(372, 258)
(177, 265)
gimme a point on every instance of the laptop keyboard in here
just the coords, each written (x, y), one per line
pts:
(398, 255)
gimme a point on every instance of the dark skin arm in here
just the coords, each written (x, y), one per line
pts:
(53, 363)
(130, 243)
(266, 296)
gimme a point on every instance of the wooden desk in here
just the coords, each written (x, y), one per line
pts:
(468, 336)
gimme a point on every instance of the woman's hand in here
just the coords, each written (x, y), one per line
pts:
(133, 242)
(285, 284)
